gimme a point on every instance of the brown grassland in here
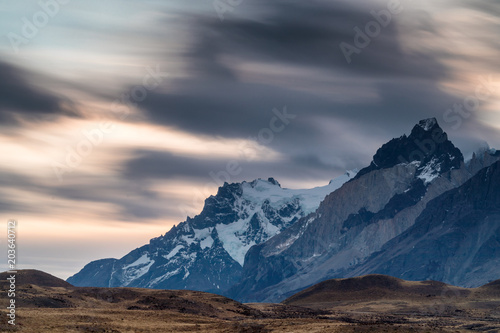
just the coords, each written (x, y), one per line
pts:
(368, 304)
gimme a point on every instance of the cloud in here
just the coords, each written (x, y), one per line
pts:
(309, 34)
(22, 193)
(303, 37)
(20, 98)
(486, 6)
(155, 165)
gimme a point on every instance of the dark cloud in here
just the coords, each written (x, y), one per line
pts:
(309, 34)
(156, 164)
(20, 98)
(225, 108)
(133, 198)
(9, 180)
(150, 164)
(305, 36)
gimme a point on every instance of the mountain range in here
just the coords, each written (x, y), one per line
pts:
(418, 211)
(207, 252)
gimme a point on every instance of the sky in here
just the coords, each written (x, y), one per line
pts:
(118, 118)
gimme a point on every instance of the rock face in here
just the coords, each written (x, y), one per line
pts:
(357, 220)
(206, 253)
(456, 239)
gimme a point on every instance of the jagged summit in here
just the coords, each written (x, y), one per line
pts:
(427, 146)
(253, 183)
(273, 181)
(269, 181)
(428, 124)
(483, 151)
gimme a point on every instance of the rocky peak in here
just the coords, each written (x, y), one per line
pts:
(273, 181)
(228, 190)
(427, 146)
(259, 182)
(482, 158)
(428, 124)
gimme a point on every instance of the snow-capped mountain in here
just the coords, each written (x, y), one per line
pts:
(207, 252)
(380, 203)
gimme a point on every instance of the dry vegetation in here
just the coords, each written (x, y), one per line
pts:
(372, 304)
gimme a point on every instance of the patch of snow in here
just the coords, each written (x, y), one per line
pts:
(207, 242)
(427, 124)
(154, 282)
(228, 234)
(137, 269)
(144, 259)
(200, 234)
(173, 252)
(309, 221)
(430, 171)
(283, 246)
(416, 163)
(189, 240)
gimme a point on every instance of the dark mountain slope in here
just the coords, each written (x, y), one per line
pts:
(456, 239)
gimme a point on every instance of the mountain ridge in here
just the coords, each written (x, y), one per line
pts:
(384, 201)
(206, 252)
